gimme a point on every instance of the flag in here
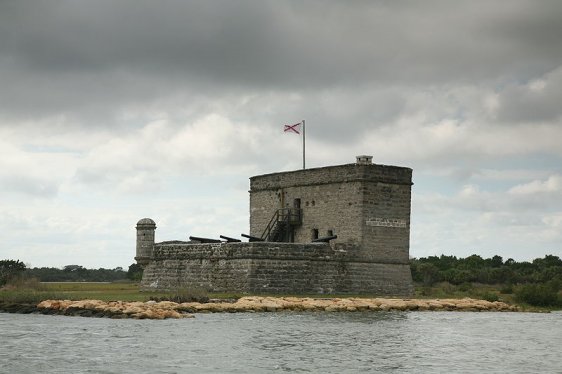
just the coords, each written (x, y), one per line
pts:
(296, 128)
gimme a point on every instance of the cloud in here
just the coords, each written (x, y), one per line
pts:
(111, 112)
(29, 186)
(535, 101)
(511, 224)
(553, 185)
(143, 158)
(35, 174)
(89, 59)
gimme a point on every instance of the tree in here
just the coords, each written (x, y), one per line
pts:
(73, 268)
(496, 261)
(9, 269)
(548, 261)
(538, 295)
(429, 273)
(135, 272)
(473, 262)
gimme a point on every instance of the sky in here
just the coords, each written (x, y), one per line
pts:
(111, 111)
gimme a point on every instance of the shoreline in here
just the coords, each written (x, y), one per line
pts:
(249, 304)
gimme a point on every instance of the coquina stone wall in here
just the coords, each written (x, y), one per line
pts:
(262, 267)
(385, 222)
(366, 206)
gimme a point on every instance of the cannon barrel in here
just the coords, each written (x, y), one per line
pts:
(230, 240)
(204, 240)
(252, 238)
(325, 239)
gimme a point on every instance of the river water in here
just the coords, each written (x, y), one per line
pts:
(376, 342)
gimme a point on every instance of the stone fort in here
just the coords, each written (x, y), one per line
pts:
(339, 229)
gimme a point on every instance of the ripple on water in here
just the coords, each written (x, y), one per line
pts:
(407, 342)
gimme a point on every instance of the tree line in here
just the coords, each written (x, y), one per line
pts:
(69, 273)
(425, 270)
(494, 270)
(537, 282)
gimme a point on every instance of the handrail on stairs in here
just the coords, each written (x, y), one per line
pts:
(291, 216)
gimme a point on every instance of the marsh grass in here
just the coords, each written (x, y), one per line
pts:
(33, 291)
(26, 291)
(184, 295)
(28, 296)
(446, 290)
(24, 283)
(99, 291)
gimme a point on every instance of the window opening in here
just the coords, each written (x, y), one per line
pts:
(314, 234)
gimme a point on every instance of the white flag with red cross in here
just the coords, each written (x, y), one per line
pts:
(296, 128)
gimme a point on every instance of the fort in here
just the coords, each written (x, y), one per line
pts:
(341, 229)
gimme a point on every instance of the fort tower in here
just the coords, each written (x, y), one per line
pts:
(145, 241)
(366, 205)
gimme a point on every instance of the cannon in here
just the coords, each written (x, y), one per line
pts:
(204, 240)
(325, 239)
(252, 238)
(230, 240)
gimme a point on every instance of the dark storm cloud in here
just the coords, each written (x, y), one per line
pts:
(91, 59)
(533, 102)
(302, 43)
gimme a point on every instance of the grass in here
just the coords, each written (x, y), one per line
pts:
(72, 291)
(32, 291)
(445, 290)
(124, 292)
(129, 291)
(500, 292)
(100, 291)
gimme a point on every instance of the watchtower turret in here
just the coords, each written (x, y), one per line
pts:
(145, 241)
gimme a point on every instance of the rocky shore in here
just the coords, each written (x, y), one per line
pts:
(168, 309)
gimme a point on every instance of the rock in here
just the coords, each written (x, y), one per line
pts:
(432, 305)
(169, 309)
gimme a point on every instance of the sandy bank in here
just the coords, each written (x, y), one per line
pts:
(168, 309)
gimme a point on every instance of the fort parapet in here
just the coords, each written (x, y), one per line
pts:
(263, 267)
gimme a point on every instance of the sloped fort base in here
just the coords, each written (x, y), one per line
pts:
(265, 267)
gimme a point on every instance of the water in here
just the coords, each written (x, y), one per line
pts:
(393, 342)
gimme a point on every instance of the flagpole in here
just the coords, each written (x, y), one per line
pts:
(303, 145)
